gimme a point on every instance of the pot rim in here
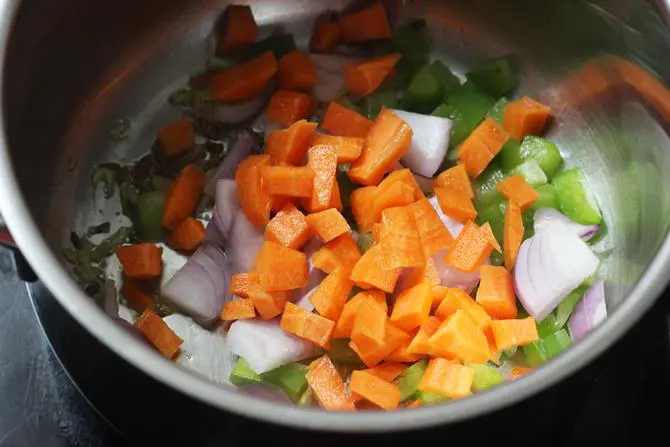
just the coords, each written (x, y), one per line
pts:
(25, 232)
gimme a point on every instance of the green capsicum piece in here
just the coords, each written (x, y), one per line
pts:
(424, 92)
(290, 378)
(530, 170)
(575, 199)
(408, 383)
(470, 106)
(485, 377)
(148, 222)
(546, 198)
(448, 81)
(497, 112)
(496, 77)
(243, 375)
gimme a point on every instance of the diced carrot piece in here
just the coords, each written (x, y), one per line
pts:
(159, 334)
(278, 203)
(304, 324)
(239, 285)
(387, 371)
(268, 304)
(525, 116)
(188, 235)
(348, 316)
(348, 149)
(340, 252)
(326, 36)
(520, 372)
(456, 178)
(469, 250)
(510, 333)
(176, 137)
(139, 294)
(459, 336)
(360, 201)
(328, 387)
(140, 261)
(239, 29)
(369, 330)
(375, 389)
(287, 107)
(490, 237)
(367, 24)
(288, 228)
(323, 161)
(433, 233)
(395, 337)
(290, 145)
(254, 198)
(455, 204)
(183, 195)
(339, 120)
(368, 271)
(335, 198)
(456, 299)
(496, 292)
(376, 232)
(243, 81)
(331, 295)
(447, 378)
(365, 77)
(385, 144)
(426, 273)
(328, 224)
(296, 71)
(396, 194)
(412, 306)
(516, 189)
(402, 356)
(419, 344)
(481, 146)
(288, 180)
(513, 234)
(242, 309)
(281, 268)
(400, 240)
(403, 176)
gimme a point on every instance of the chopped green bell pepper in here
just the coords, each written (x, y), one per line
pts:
(546, 198)
(290, 378)
(530, 170)
(423, 93)
(243, 375)
(495, 76)
(544, 152)
(567, 306)
(548, 326)
(535, 353)
(485, 186)
(485, 377)
(280, 45)
(470, 105)
(448, 81)
(494, 214)
(575, 199)
(497, 112)
(372, 104)
(431, 398)
(408, 383)
(306, 398)
(556, 343)
(365, 241)
(412, 42)
(148, 222)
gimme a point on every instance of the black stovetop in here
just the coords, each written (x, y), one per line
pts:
(616, 398)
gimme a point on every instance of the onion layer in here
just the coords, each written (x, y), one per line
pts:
(589, 312)
(228, 166)
(238, 112)
(546, 216)
(226, 205)
(244, 242)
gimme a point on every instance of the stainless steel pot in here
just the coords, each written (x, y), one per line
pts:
(70, 69)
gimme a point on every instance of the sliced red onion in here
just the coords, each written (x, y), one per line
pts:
(226, 205)
(430, 141)
(329, 86)
(304, 301)
(132, 330)
(228, 166)
(243, 244)
(549, 266)
(333, 62)
(425, 183)
(213, 233)
(452, 225)
(240, 111)
(545, 216)
(270, 127)
(265, 346)
(200, 287)
(109, 299)
(589, 312)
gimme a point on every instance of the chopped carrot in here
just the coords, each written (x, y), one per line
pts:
(183, 195)
(304, 324)
(288, 228)
(426, 273)
(496, 292)
(368, 271)
(375, 390)
(400, 239)
(325, 37)
(396, 194)
(456, 178)
(525, 116)
(239, 29)
(323, 161)
(469, 250)
(455, 204)
(387, 371)
(520, 372)
(243, 81)
(458, 336)
(490, 237)
(140, 261)
(516, 189)
(412, 306)
(513, 234)
(159, 334)
(394, 338)
(348, 149)
(287, 107)
(339, 120)
(254, 198)
(403, 176)
(347, 318)
(433, 233)
(239, 285)
(413, 404)
(419, 344)
(447, 378)
(360, 200)
(481, 146)
(328, 224)
(376, 232)
(176, 137)
(188, 235)
(456, 299)
(510, 333)
(335, 198)
(139, 294)
(367, 24)
(401, 355)
(268, 304)
(290, 145)
(340, 252)
(296, 71)
(385, 144)
(288, 180)
(331, 295)
(365, 77)
(241, 309)
(328, 387)
(281, 268)
(278, 203)
(369, 329)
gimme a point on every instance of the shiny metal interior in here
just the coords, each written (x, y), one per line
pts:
(72, 68)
